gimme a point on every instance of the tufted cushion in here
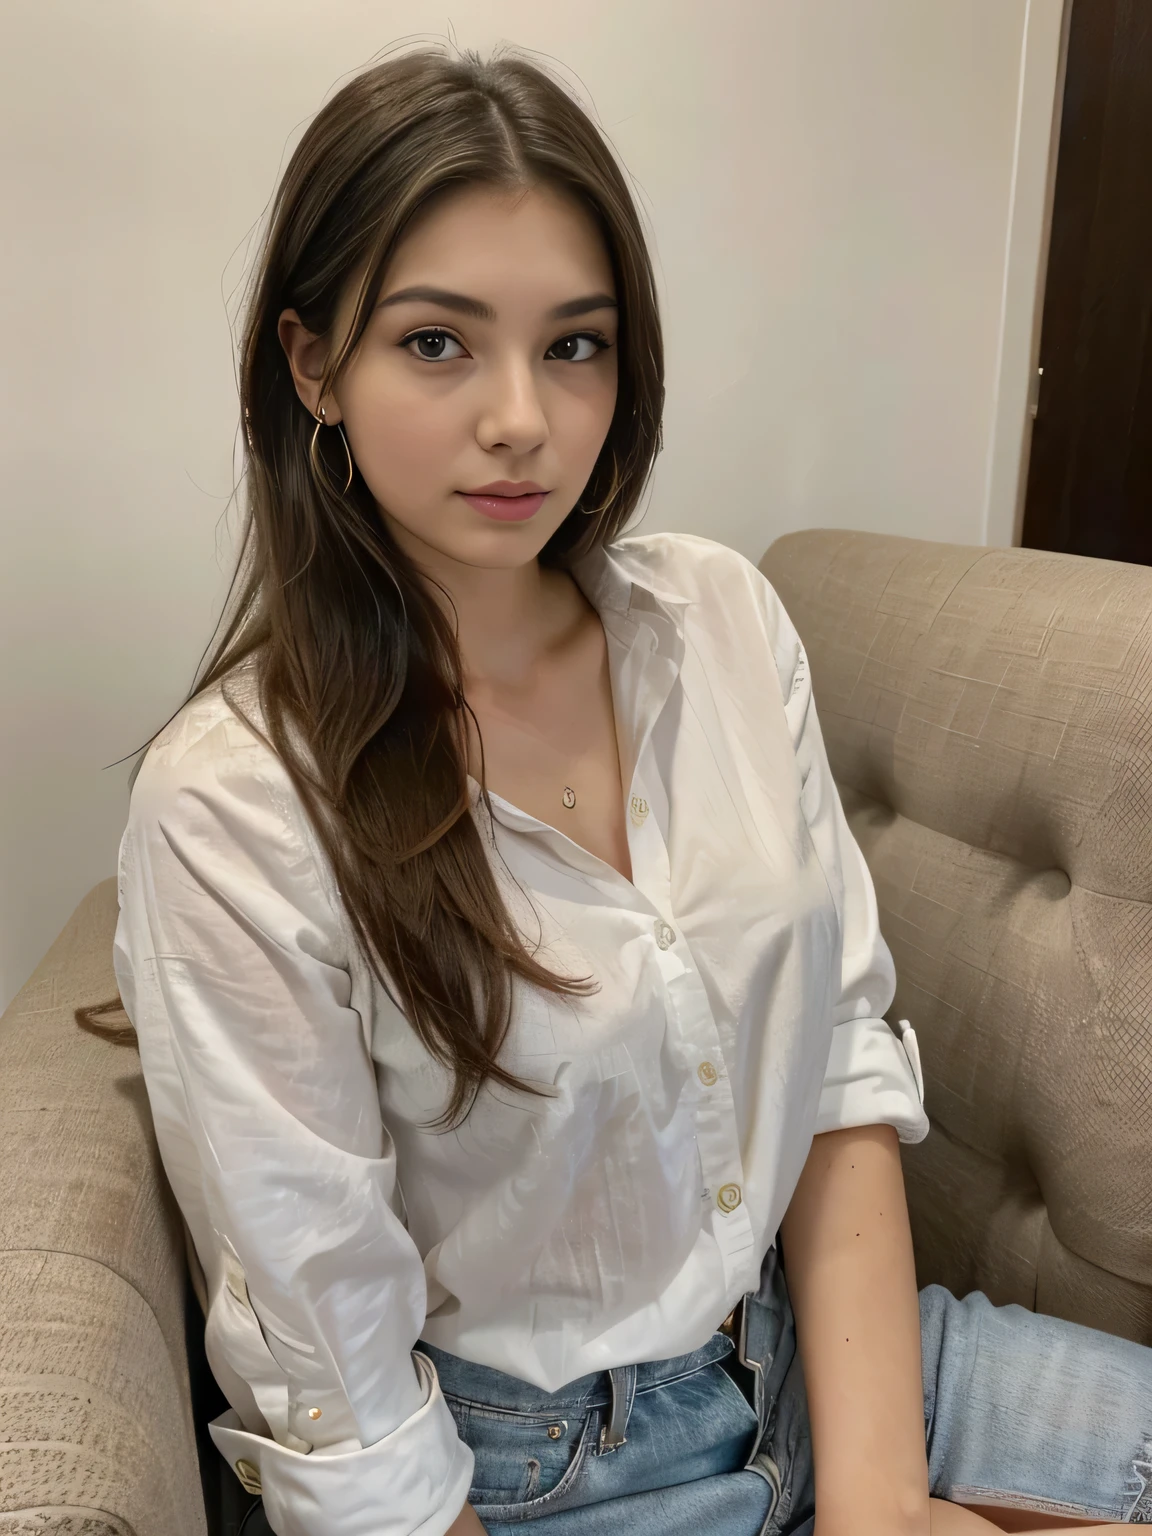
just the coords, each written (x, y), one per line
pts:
(988, 717)
(96, 1431)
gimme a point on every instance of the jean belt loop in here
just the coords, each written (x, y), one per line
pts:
(613, 1434)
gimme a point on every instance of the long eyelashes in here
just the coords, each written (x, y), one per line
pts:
(597, 338)
(426, 331)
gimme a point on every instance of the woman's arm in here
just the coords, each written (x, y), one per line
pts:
(234, 964)
(848, 1259)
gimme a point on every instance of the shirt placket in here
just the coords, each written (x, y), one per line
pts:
(691, 1021)
(645, 661)
(693, 1026)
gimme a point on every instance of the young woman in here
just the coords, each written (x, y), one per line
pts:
(507, 981)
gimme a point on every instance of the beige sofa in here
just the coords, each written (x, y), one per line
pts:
(988, 715)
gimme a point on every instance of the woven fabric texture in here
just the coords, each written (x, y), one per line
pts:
(96, 1433)
(988, 718)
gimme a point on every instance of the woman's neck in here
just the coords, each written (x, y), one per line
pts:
(507, 618)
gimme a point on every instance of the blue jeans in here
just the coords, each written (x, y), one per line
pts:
(1020, 1411)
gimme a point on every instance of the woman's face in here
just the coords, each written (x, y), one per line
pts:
(489, 363)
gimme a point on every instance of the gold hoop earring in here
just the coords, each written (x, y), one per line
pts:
(321, 422)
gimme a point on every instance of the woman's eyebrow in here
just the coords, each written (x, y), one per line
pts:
(481, 311)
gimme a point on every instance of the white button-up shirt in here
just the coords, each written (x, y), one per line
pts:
(743, 983)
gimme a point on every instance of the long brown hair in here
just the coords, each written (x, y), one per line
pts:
(359, 670)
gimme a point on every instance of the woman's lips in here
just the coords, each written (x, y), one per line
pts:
(506, 509)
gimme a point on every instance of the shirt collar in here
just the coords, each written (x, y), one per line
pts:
(607, 578)
(643, 672)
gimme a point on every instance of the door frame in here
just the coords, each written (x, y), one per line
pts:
(1040, 96)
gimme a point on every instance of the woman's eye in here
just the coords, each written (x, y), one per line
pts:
(568, 348)
(433, 346)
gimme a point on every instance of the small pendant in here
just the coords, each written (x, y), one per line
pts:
(569, 797)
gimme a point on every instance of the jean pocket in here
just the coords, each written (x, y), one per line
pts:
(525, 1464)
(733, 1420)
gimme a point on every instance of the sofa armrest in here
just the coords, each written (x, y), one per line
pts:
(95, 1411)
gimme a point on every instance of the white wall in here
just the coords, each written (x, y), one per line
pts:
(832, 184)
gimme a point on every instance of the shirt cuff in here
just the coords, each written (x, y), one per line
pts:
(413, 1482)
(873, 1078)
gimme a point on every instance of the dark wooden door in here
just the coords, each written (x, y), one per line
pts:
(1090, 473)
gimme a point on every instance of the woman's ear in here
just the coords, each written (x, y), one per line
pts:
(307, 354)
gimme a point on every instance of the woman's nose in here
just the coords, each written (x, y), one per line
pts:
(513, 413)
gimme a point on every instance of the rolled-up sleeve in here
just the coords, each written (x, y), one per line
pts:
(873, 1075)
(233, 964)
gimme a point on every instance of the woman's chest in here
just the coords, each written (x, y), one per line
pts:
(720, 951)
(550, 749)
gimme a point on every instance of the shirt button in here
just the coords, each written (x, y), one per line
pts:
(728, 1197)
(707, 1074)
(665, 935)
(314, 1413)
(638, 807)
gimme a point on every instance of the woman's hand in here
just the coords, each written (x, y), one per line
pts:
(466, 1523)
(938, 1519)
(954, 1520)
